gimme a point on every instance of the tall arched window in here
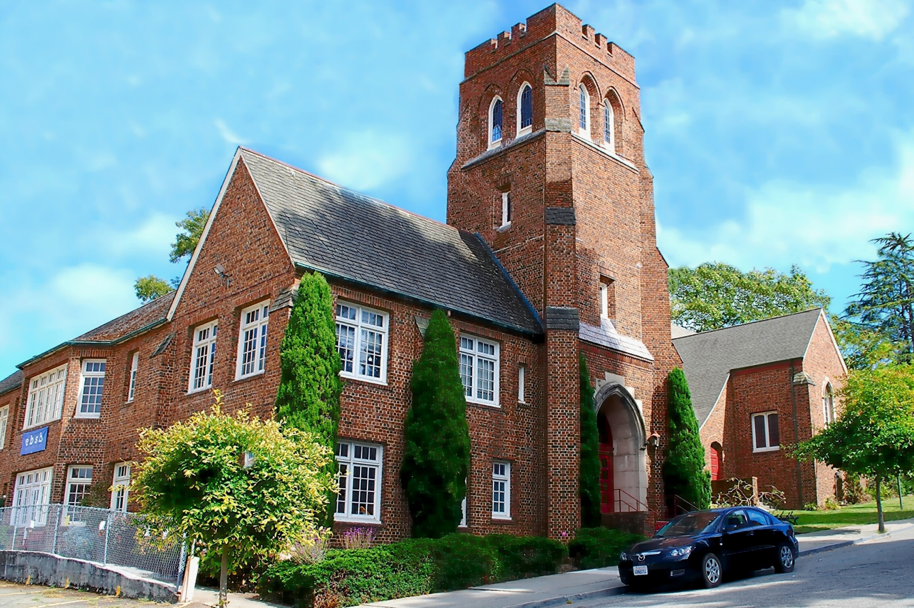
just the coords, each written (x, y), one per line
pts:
(584, 111)
(525, 109)
(828, 404)
(609, 126)
(496, 117)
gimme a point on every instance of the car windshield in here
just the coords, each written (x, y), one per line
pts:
(688, 524)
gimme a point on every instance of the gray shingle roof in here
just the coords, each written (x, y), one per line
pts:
(350, 236)
(708, 356)
(11, 382)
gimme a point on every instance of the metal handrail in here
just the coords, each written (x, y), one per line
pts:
(634, 505)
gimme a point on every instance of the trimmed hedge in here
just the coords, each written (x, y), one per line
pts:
(348, 577)
(600, 547)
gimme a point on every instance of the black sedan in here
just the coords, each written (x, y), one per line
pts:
(703, 545)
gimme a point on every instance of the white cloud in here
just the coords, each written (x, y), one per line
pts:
(815, 226)
(227, 135)
(831, 18)
(152, 237)
(367, 160)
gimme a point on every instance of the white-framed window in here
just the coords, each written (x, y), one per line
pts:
(604, 300)
(583, 111)
(79, 479)
(45, 397)
(120, 488)
(131, 387)
(202, 357)
(496, 121)
(506, 209)
(252, 340)
(4, 419)
(525, 109)
(828, 405)
(92, 387)
(359, 477)
(609, 126)
(522, 383)
(361, 340)
(766, 435)
(32, 497)
(501, 490)
(479, 363)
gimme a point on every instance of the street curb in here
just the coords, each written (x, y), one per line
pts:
(565, 599)
(849, 543)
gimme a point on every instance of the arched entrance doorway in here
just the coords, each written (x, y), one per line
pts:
(623, 475)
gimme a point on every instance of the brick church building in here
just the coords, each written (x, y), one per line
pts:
(549, 251)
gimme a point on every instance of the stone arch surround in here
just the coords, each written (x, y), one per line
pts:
(614, 401)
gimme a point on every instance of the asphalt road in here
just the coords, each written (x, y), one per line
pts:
(877, 573)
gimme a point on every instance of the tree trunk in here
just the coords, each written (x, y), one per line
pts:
(879, 513)
(223, 574)
(900, 497)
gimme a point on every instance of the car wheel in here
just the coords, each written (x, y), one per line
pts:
(711, 571)
(786, 559)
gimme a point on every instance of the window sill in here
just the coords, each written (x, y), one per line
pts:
(503, 227)
(87, 416)
(377, 381)
(526, 130)
(39, 425)
(763, 450)
(248, 377)
(501, 519)
(494, 145)
(199, 390)
(491, 404)
(354, 520)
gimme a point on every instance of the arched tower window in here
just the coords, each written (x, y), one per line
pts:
(828, 405)
(609, 130)
(584, 111)
(496, 119)
(612, 123)
(525, 109)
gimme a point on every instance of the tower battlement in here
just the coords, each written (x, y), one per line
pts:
(553, 20)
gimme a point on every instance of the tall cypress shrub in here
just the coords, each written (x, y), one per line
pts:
(436, 458)
(310, 386)
(589, 474)
(684, 471)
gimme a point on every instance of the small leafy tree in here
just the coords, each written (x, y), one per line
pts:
(589, 486)
(684, 472)
(310, 385)
(436, 458)
(874, 432)
(151, 287)
(240, 486)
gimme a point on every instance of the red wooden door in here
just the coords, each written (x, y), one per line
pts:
(715, 463)
(606, 478)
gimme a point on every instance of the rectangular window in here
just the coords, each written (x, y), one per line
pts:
(203, 355)
(32, 496)
(92, 383)
(79, 478)
(607, 298)
(501, 490)
(505, 208)
(361, 340)
(766, 436)
(131, 388)
(4, 418)
(359, 478)
(120, 489)
(479, 367)
(521, 382)
(252, 340)
(45, 397)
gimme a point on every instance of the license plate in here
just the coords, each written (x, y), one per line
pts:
(640, 570)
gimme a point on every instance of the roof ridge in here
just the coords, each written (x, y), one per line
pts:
(711, 331)
(158, 300)
(349, 190)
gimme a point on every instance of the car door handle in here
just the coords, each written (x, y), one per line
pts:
(751, 533)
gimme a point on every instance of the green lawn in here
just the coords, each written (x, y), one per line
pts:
(814, 521)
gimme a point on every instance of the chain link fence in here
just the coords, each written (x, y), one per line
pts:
(106, 537)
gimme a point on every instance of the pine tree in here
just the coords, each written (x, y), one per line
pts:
(684, 471)
(436, 458)
(308, 398)
(589, 485)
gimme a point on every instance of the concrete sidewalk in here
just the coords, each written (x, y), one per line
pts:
(816, 542)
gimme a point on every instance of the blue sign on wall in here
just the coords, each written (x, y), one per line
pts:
(34, 441)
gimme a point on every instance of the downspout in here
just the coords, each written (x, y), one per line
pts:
(796, 434)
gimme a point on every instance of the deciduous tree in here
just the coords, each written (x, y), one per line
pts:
(151, 287)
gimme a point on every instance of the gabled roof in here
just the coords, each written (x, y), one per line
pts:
(350, 236)
(11, 382)
(708, 357)
(123, 327)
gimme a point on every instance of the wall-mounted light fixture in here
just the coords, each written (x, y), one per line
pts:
(220, 272)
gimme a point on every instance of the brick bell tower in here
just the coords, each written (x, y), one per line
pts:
(550, 171)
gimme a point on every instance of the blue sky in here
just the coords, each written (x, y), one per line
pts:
(778, 133)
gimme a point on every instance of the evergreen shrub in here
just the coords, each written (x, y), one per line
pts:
(589, 474)
(600, 547)
(684, 472)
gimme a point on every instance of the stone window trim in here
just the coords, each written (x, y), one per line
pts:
(4, 423)
(501, 489)
(120, 487)
(524, 109)
(91, 388)
(202, 356)
(496, 122)
(359, 462)
(362, 357)
(131, 376)
(252, 340)
(45, 400)
(31, 494)
(479, 357)
(765, 432)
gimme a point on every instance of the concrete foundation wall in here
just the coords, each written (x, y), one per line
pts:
(46, 569)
